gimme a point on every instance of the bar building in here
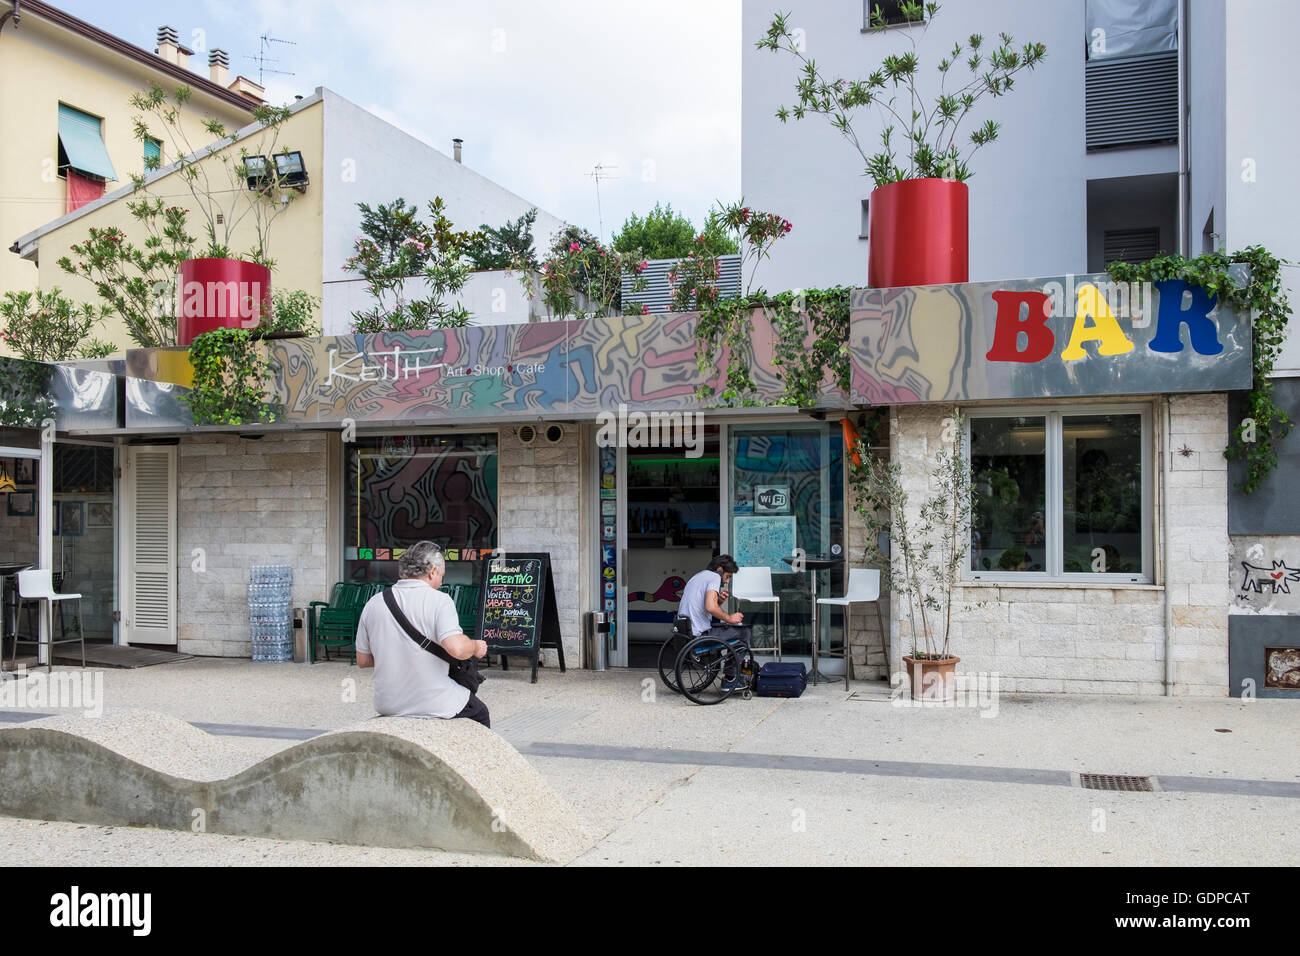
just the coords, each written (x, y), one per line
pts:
(1085, 436)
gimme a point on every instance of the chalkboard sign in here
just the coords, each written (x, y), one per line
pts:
(517, 612)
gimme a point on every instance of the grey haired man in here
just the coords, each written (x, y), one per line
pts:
(409, 681)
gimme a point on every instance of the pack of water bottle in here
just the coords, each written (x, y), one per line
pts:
(270, 612)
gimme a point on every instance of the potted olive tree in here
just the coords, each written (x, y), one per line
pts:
(918, 209)
(243, 184)
(925, 551)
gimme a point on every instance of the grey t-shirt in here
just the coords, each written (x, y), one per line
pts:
(693, 596)
(409, 681)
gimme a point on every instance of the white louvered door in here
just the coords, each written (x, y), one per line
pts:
(151, 544)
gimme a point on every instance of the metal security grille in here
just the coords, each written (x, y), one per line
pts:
(1102, 781)
(1130, 245)
(658, 294)
(1132, 101)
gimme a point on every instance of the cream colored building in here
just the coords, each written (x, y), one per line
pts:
(350, 156)
(294, 234)
(68, 85)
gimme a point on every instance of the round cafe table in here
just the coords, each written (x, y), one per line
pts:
(814, 565)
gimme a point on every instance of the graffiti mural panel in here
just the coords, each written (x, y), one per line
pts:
(1061, 337)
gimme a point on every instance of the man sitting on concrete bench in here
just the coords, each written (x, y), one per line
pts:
(409, 681)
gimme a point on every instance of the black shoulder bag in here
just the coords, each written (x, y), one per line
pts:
(464, 673)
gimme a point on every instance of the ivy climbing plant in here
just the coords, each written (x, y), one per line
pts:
(726, 327)
(1255, 438)
(231, 372)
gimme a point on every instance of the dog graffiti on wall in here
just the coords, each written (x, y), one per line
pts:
(1259, 579)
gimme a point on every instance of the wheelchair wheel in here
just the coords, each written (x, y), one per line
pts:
(701, 668)
(668, 652)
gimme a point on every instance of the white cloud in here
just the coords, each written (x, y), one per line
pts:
(539, 92)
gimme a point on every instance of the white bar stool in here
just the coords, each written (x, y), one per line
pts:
(755, 585)
(864, 586)
(38, 585)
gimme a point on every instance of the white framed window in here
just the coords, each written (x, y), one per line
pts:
(1061, 493)
(892, 12)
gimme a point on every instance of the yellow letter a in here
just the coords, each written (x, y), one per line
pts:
(1103, 328)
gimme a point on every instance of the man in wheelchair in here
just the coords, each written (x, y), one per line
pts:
(701, 603)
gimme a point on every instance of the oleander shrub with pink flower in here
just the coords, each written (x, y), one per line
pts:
(396, 245)
(694, 280)
(583, 278)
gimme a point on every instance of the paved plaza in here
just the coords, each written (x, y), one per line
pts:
(834, 777)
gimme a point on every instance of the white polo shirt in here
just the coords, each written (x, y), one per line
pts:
(409, 681)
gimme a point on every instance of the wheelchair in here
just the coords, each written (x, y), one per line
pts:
(705, 669)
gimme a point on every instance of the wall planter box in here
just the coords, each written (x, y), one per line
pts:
(220, 293)
(918, 233)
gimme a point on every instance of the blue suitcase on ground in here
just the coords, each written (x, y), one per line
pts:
(781, 680)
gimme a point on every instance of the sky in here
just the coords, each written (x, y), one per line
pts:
(541, 93)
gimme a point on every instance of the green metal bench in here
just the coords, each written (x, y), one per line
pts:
(334, 623)
(466, 598)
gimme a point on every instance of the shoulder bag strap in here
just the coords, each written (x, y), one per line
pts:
(431, 646)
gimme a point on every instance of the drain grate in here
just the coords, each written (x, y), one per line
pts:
(1105, 781)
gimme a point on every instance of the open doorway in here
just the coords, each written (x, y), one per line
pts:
(82, 510)
(672, 511)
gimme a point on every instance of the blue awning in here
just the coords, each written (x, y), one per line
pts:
(82, 141)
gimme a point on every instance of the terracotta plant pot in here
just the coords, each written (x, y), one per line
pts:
(932, 680)
(918, 233)
(220, 294)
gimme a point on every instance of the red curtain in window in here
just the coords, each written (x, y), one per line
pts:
(82, 190)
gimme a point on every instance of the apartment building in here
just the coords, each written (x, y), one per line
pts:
(69, 135)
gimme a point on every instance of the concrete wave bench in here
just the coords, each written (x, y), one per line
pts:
(391, 781)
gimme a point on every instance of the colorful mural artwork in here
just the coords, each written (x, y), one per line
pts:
(404, 489)
(1061, 337)
(670, 591)
(574, 368)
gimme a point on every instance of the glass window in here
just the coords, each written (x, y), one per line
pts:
(890, 13)
(1102, 493)
(1009, 475)
(787, 493)
(1060, 494)
(407, 488)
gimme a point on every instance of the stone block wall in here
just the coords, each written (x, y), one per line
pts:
(1109, 639)
(246, 503)
(540, 508)
(870, 660)
(1198, 543)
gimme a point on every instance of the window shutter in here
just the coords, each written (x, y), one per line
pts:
(81, 137)
(1132, 101)
(152, 548)
(1130, 245)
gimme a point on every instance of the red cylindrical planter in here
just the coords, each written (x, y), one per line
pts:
(220, 294)
(918, 234)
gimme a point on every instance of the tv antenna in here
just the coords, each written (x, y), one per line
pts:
(599, 174)
(262, 59)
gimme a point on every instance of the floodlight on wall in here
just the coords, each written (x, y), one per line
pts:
(259, 172)
(290, 170)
